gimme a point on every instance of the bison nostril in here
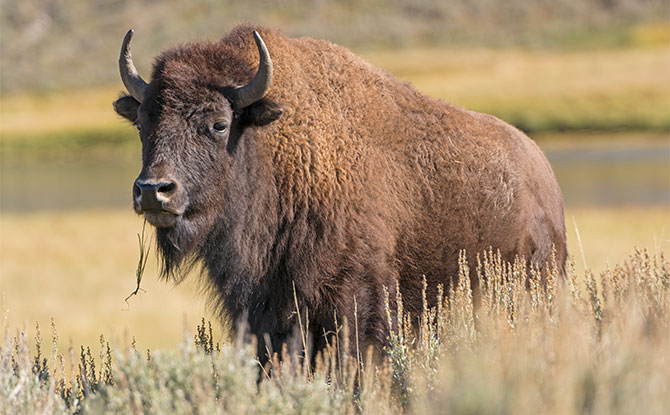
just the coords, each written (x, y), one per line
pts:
(166, 187)
(137, 192)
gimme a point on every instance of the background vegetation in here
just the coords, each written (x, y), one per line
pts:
(55, 44)
(560, 346)
(537, 91)
(542, 65)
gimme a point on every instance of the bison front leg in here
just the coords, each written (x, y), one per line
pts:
(361, 310)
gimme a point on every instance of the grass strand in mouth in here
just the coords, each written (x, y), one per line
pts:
(141, 264)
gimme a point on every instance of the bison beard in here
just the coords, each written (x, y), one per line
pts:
(323, 180)
(172, 245)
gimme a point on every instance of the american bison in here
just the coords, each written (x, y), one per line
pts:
(298, 171)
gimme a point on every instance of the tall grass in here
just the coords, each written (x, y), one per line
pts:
(520, 343)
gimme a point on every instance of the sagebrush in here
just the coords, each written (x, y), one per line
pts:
(521, 343)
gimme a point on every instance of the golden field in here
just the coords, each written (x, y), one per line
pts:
(538, 91)
(582, 346)
(77, 268)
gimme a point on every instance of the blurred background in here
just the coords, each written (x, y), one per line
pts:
(588, 80)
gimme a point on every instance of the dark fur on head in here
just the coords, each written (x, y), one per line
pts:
(341, 183)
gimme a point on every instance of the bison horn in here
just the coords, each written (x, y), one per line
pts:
(255, 90)
(131, 79)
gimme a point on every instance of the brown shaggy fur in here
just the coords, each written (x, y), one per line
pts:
(361, 183)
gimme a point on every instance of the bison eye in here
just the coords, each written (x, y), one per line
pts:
(137, 125)
(219, 127)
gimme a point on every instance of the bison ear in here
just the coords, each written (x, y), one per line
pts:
(261, 113)
(126, 106)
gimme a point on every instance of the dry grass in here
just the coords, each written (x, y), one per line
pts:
(26, 115)
(534, 344)
(77, 267)
(538, 91)
(609, 234)
(544, 91)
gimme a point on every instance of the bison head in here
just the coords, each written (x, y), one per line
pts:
(191, 119)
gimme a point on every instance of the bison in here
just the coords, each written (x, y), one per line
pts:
(300, 176)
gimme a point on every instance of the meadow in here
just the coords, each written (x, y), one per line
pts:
(538, 91)
(560, 346)
(590, 347)
(86, 263)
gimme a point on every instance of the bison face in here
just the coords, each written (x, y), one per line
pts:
(194, 167)
(186, 156)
